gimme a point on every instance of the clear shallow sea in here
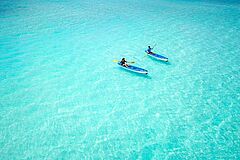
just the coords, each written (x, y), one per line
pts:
(62, 97)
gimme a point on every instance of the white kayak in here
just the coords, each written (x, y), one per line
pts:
(157, 56)
(134, 69)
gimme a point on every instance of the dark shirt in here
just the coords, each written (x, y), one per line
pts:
(123, 62)
(149, 50)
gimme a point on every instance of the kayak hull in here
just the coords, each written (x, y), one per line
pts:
(158, 57)
(134, 69)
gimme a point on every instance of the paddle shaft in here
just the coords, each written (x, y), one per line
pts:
(154, 46)
(119, 61)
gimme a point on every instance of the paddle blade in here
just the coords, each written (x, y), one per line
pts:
(115, 60)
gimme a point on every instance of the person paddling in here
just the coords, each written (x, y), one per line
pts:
(123, 62)
(149, 50)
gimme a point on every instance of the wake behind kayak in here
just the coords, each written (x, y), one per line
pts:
(134, 69)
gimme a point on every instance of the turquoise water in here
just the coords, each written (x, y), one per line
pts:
(62, 97)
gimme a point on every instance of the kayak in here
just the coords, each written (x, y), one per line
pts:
(134, 69)
(157, 56)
